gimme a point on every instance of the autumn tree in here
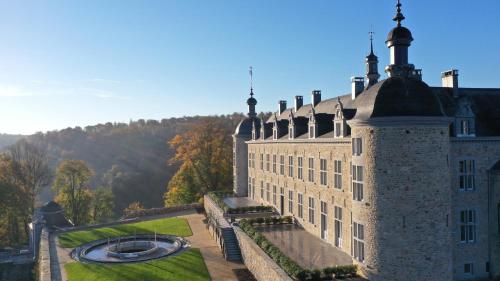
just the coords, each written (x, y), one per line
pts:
(205, 156)
(72, 187)
(132, 208)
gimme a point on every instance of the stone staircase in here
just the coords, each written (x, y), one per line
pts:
(231, 247)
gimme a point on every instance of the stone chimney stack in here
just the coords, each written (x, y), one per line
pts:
(357, 86)
(281, 106)
(450, 80)
(315, 97)
(299, 101)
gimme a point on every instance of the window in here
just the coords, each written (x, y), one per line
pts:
(268, 162)
(312, 134)
(290, 201)
(311, 169)
(467, 226)
(358, 237)
(467, 174)
(357, 183)
(338, 226)
(300, 164)
(249, 187)
(275, 133)
(338, 128)
(469, 268)
(337, 171)
(262, 190)
(357, 146)
(323, 176)
(262, 162)
(251, 160)
(282, 164)
(274, 163)
(268, 192)
(290, 133)
(274, 195)
(311, 210)
(290, 166)
(300, 205)
(466, 128)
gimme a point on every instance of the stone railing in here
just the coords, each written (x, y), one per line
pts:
(257, 261)
(44, 257)
(162, 211)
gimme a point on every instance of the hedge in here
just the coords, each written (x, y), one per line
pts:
(218, 198)
(288, 265)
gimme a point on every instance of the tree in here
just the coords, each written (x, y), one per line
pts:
(205, 155)
(102, 204)
(72, 187)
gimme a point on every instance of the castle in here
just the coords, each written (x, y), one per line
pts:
(402, 176)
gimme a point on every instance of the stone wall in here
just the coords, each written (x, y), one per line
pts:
(494, 233)
(44, 257)
(257, 261)
(240, 165)
(485, 152)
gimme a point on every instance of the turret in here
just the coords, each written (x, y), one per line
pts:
(372, 74)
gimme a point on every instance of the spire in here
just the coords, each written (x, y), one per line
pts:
(372, 74)
(251, 100)
(399, 16)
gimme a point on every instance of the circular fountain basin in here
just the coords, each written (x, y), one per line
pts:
(129, 249)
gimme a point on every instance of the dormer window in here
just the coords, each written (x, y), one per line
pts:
(312, 131)
(465, 127)
(253, 134)
(275, 130)
(291, 134)
(313, 127)
(464, 119)
(291, 127)
(340, 125)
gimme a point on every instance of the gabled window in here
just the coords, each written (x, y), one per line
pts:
(340, 125)
(467, 171)
(310, 174)
(323, 175)
(467, 226)
(313, 128)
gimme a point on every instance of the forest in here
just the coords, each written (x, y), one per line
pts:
(142, 164)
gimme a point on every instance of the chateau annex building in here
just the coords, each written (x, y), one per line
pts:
(402, 176)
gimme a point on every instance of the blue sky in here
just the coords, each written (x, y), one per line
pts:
(78, 63)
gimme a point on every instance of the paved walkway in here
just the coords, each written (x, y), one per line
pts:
(218, 267)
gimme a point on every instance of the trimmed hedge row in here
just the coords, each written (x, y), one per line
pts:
(218, 198)
(288, 265)
(162, 211)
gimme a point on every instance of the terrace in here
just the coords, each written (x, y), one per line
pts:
(304, 248)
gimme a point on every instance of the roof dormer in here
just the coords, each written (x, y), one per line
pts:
(312, 125)
(339, 121)
(465, 119)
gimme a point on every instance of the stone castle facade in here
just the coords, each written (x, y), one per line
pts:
(402, 176)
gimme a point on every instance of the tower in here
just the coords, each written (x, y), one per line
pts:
(398, 41)
(372, 74)
(243, 133)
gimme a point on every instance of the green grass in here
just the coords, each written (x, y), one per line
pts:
(174, 226)
(188, 266)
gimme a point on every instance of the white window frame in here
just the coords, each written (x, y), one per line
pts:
(300, 168)
(300, 205)
(357, 183)
(268, 162)
(290, 201)
(310, 169)
(311, 209)
(282, 165)
(274, 194)
(275, 157)
(337, 224)
(268, 192)
(357, 146)
(358, 239)
(290, 166)
(262, 161)
(337, 174)
(467, 174)
(323, 171)
(468, 225)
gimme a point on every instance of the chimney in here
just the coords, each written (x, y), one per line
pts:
(315, 97)
(299, 101)
(450, 80)
(357, 86)
(281, 106)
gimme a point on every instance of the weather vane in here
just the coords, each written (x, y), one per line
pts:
(250, 71)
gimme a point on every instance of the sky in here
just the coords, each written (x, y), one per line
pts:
(78, 63)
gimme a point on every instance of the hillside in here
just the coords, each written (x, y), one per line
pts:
(131, 158)
(6, 140)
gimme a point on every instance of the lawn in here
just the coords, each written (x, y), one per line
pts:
(188, 266)
(174, 226)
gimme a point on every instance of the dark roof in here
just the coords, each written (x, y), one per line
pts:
(244, 128)
(399, 33)
(51, 207)
(397, 96)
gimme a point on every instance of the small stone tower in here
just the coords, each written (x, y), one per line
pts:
(243, 134)
(402, 140)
